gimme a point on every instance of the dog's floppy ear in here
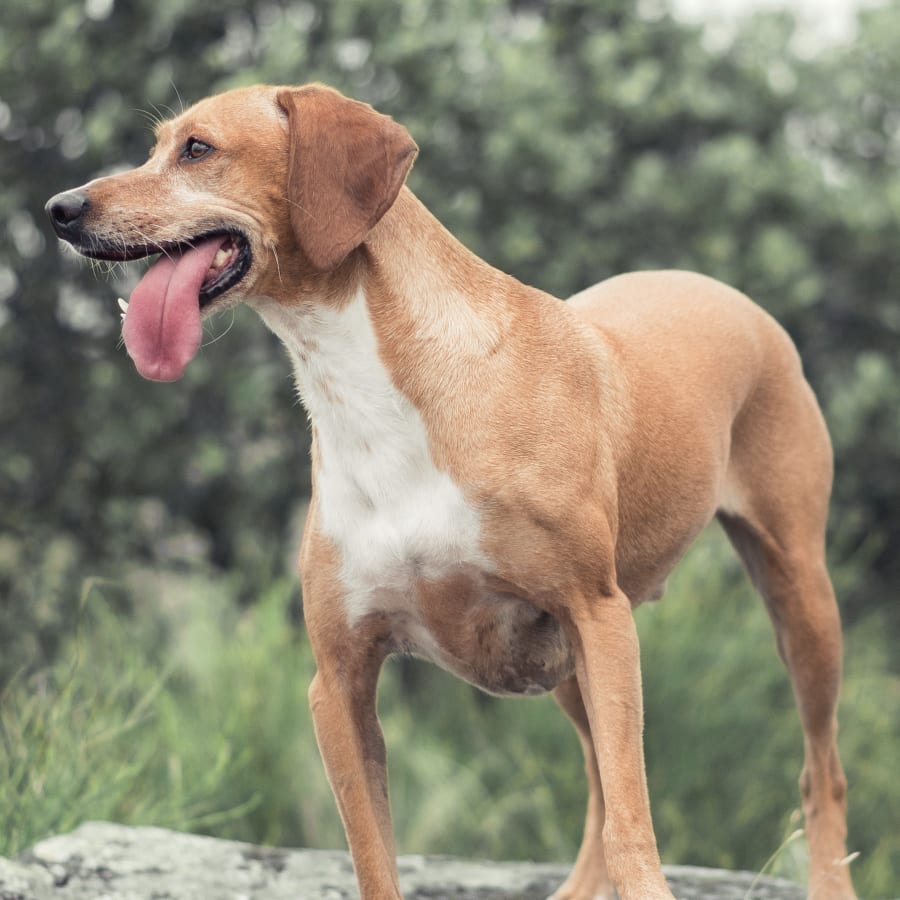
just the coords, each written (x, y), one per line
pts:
(346, 166)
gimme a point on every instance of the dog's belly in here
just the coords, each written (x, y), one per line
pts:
(496, 641)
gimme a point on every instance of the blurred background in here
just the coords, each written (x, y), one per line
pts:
(153, 665)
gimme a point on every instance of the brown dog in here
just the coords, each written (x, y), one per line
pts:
(499, 477)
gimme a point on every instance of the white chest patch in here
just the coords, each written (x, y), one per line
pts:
(392, 514)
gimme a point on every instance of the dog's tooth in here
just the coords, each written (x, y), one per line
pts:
(123, 305)
(220, 258)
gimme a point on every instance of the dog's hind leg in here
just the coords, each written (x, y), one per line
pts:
(800, 601)
(780, 482)
(589, 879)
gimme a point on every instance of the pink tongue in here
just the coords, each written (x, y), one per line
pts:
(162, 328)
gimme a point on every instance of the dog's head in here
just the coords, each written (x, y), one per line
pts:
(257, 192)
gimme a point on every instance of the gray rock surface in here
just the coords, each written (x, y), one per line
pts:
(100, 861)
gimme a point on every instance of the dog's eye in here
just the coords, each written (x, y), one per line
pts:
(195, 149)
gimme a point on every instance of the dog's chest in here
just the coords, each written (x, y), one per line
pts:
(393, 515)
(409, 541)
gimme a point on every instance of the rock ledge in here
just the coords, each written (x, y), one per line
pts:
(101, 861)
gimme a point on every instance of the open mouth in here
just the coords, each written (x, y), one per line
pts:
(229, 266)
(162, 327)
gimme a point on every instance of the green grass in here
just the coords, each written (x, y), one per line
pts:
(191, 713)
(196, 721)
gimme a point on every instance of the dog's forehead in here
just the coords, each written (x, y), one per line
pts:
(230, 110)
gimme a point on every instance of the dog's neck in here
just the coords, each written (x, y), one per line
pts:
(374, 352)
(412, 293)
(427, 271)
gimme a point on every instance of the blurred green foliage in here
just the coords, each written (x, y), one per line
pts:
(564, 141)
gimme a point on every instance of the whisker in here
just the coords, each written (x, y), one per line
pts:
(171, 112)
(149, 242)
(219, 337)
(177, 94)
(294, 203)
(153, 118)
(277, 264)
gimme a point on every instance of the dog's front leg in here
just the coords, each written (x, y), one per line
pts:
(607, 666)
(342, 699)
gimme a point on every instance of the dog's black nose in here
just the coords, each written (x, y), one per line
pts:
(66, 211)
